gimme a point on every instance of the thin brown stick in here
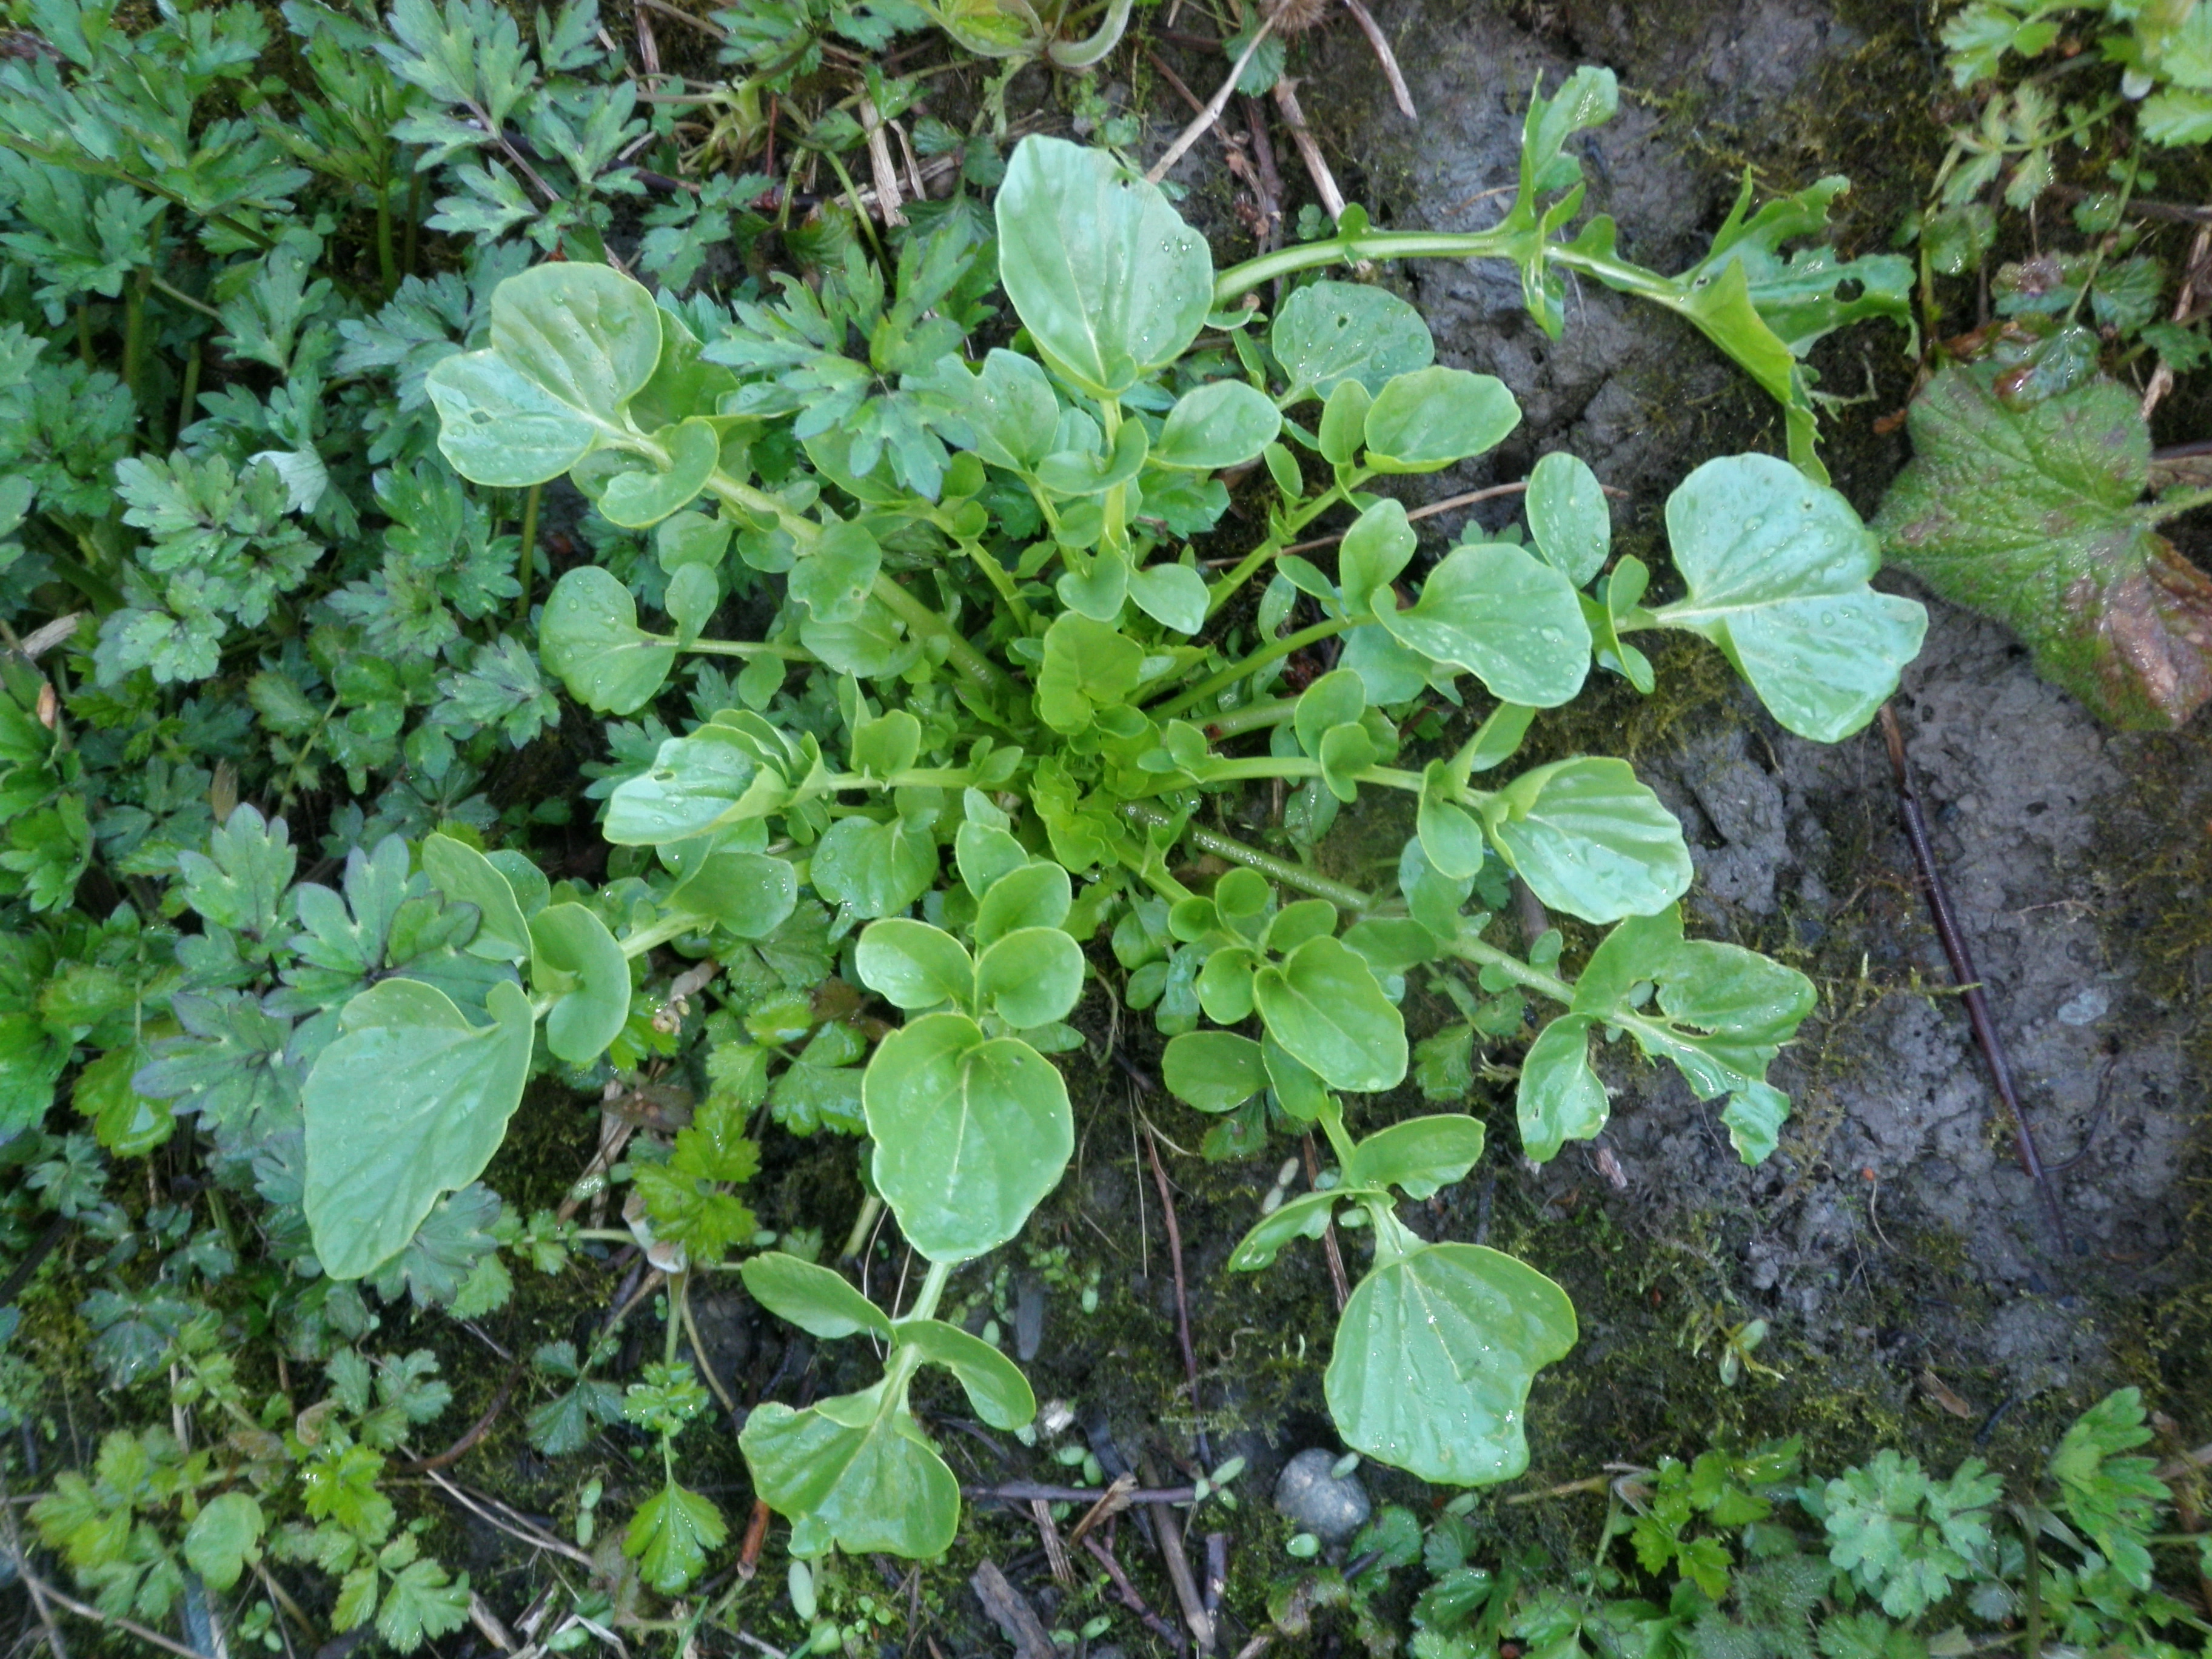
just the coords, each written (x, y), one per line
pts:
(1383, 55)
(699, 1347)
(516, 1525)
(755, 1536)
(1183, 89)
(42, 1592)
(700, 23)
(1962, 972)
(1337, 1281)
(880, 162)
(1324, 181)
(1268, 180)
(1056, 1553)
(1206, 117)
(60, 1648)
(1177, 1560)
(1182, 1302)
(1258, 1645)
(1130, 1599)
(477, 1431)
(1111, 1502)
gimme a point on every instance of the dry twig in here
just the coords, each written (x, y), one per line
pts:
(1383, 55)
(1182, 1303)
(1206, 117)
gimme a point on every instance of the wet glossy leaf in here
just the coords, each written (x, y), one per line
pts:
(818, 1301)
(1503, 616)
(1213, 1071)
(692, 782)
(410, 1101)
(638, 499)
(2028, 512)
(995, 1385)
(1303, 1216)
(1088, 665)
(1379, 546)
(854, 1473)
(970, 1134)
(1424, 420)
(574, 959)
(1033, 894)
(1031, 976)
(588, 635)
(1222, 423)
(1323, 1006)
(1434, 1356)
(1418, 1156)
(1173, 594)
(223, 1537)
(1568, 517)
(1110, 280)
(915, 966)
(671, 1534)
(1589, 838)
(1777, 568)
(465, 876)
(751, 894)
(878, 868)
(1559, 1098)
(1721, 1014)
(1330, 331)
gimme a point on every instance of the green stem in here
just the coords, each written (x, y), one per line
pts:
(387, 266)
(414, 221)
(747, 648)
(1281, 870)
(1272, 651)
(170, 292)
(1332, 1124)
(853, 197)
(526, 558)
(1226, 589)
(1468, 948)
(1350, 250)
(1002, 579)
(919, 617)
(188, 396)
(661, 933)
(2173, 504)
(933, 1289)
(1273, 711)
(856, 1240)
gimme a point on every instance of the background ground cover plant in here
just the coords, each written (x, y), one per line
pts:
(300, 536)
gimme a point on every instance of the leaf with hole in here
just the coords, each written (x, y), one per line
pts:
(1329, 332)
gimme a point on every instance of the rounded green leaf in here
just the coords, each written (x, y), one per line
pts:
(1174, 594)
(1559, 1098)
(1568, 517)
(692, 783)
(1424, 420)
(410, 1101)
(1295, 923)
(914, 965)
(751, 894)
(1330, 331)
(1306, 1216)
(1221, 423)
(1110, 280)
(1225, 984)
(1777, 568)
(1590, 839)
(1434, 1356)
(1031, 976)
(1344, 422)
(497, 427)
(1213, 1071)
(1323, 1006)
(970, 1134)
(1034, 894)
(1503, 616)
(994, 1384)
(877, 868)
(1379, 545)
(833, 581)
(586, 335)
(576, 959)
(854, 1473)
(816, 1300)
(639, 499)
(588, 635)
(465, 876)
(222, 1538)
(1418, 1157)
(1298, 1090)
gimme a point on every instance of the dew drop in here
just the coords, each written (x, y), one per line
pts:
(1551, 635)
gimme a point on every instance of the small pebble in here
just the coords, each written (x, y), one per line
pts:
(2085, 1007)
(1311, 1495)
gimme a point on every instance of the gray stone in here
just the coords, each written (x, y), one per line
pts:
(1330, 1509)
(2085, 1007)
